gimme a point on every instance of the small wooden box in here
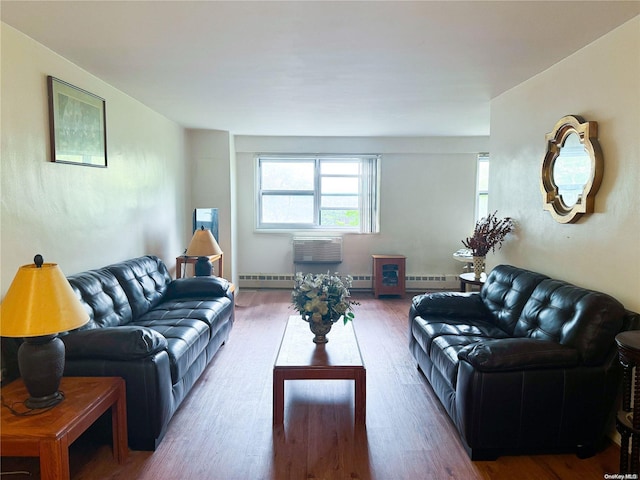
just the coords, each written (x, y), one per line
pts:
(389, 275)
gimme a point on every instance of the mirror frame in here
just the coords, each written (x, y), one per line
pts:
(552, 200)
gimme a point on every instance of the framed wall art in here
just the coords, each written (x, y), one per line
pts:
(77, 125)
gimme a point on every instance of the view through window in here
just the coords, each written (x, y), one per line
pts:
(482, 186)
(319, 192)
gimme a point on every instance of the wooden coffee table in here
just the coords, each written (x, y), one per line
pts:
(49, 434)
(301, 359)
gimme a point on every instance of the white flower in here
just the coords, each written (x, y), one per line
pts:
(322, 297)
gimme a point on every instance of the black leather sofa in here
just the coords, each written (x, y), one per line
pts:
(526, 365)
(157, 333)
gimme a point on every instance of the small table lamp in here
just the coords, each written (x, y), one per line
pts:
(39, 304)
(203, 245)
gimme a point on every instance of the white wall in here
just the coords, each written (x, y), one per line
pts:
(601, 82)
(82, 217)
(212, 160)
(427, 202)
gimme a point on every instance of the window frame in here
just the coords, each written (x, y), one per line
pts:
(368, 180)
(483, 157)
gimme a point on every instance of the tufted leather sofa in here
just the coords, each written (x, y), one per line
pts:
(526, 365)
(157, 333)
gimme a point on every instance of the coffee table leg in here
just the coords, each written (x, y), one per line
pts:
(361, 396)
(54, 460)
(278, 397)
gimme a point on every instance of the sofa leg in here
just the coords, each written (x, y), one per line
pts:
(585, 451)
(482, 455)
(479, 454)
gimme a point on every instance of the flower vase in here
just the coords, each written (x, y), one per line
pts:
(478, 266)
(320, 330)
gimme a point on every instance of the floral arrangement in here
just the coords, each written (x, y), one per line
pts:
(488, 234)
(323, 298)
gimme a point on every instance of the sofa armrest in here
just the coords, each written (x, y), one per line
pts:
(198, 287)
(509, 354)
(114, 343)
(451, 305)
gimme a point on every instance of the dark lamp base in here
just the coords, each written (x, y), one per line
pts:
(47, 401)
(203, 267)
(41, 364)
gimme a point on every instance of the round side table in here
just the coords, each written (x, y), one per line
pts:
(470, 279)
(628, 418)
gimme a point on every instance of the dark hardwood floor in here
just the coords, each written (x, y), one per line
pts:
(223, 430)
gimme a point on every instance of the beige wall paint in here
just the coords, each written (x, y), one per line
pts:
(601, 82)
(83, 217)
(427, 190)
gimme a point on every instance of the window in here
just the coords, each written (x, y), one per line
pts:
(319, 192)
(482, 187)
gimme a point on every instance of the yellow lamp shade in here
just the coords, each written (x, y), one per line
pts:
(203, 244)
(40, 302)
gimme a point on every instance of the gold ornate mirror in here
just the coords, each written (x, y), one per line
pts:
(572, 169)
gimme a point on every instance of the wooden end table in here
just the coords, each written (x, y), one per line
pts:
(628, 418)
(301, 359)
(182, 261)
(48, 435)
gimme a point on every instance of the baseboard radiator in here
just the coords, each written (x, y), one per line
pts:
(414, 283)
(317, 249)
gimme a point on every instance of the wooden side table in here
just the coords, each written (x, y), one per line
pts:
(628, 418)
(183, 261)
(48, 435)
(388, 275)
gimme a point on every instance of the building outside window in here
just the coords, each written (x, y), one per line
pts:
(318, 193)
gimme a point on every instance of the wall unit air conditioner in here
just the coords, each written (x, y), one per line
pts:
(317, 249)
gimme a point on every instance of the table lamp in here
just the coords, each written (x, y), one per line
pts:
(39, 304)
(203, 245)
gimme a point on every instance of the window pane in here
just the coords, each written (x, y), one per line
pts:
(340, 218)
(339, 168)
(483, 205)
(342, 201)
(287, 175)
(319, 192)
(339, 185)
(287, 209)
(483, 176)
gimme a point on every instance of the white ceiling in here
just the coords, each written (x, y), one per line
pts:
(388, 68)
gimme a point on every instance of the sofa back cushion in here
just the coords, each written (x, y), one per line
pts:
(505, 293)
(144, 281)
(103, 297)
(583, 319)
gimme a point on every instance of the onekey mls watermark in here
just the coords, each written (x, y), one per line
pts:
(620, 476)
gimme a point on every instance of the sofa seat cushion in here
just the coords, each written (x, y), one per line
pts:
(186, 339)
(425, 330)
(212, 311)
(444, 354)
